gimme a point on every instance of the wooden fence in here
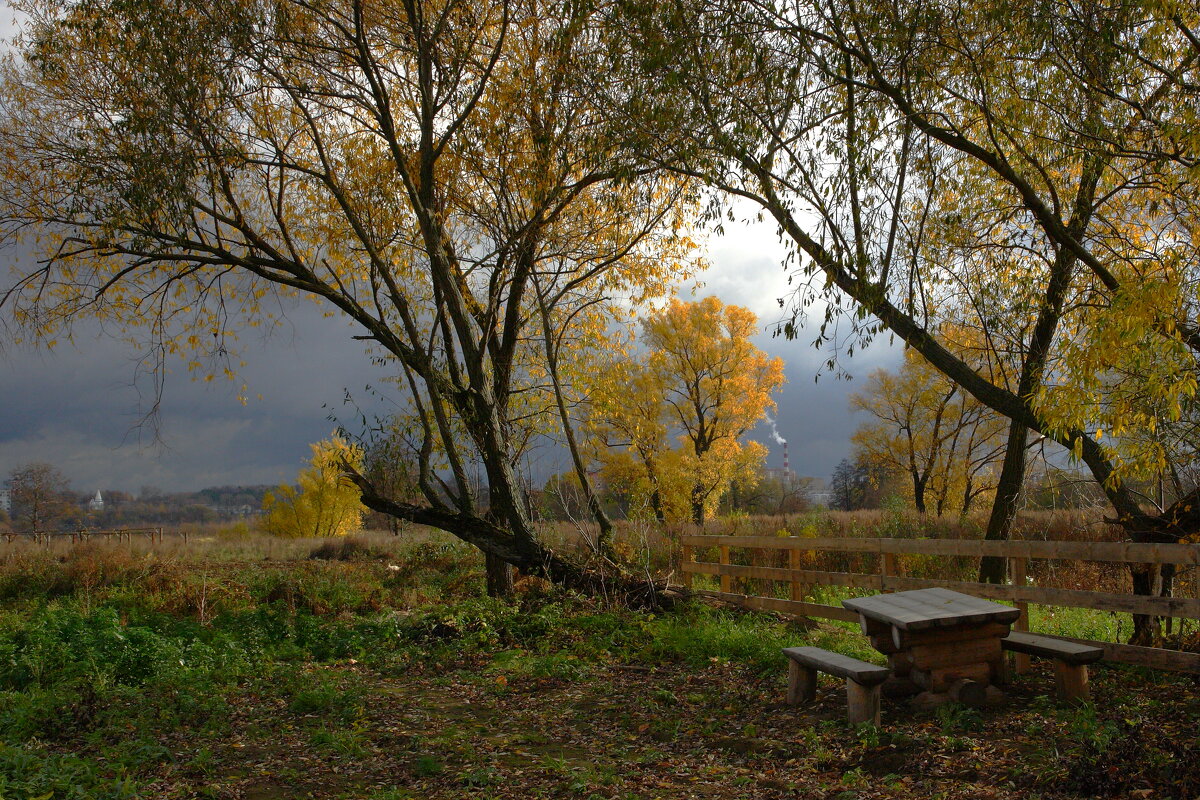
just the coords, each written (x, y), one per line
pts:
(83, 535)
(890, 578)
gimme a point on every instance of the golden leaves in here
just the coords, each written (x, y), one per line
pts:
(325, 504)
(701, 381)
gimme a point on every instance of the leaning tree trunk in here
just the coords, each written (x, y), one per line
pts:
(498, 572)
(600, 578)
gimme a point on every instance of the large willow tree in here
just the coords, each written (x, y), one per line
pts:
(433, 170)
(1023, 169)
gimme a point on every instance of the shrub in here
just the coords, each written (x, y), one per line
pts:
(351, 548)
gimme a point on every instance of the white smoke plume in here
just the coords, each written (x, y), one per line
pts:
(775, 431)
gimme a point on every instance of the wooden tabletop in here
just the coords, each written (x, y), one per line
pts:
(922, 609)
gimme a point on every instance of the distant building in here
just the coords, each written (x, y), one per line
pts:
(817, 492)
(5, 500)
(96, 503)
(785, 476)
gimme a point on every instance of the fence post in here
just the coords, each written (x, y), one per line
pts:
(794, 564)
(887, 565)
(726, 580)
(684, 559)
(1018, 574)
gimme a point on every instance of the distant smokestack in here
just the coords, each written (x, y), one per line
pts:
(785, 458)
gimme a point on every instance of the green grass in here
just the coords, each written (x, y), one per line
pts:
(1080, 623)
(118, 669)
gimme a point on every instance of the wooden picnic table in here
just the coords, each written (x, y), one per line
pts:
(940, 641)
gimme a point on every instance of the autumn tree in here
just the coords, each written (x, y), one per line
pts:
(924, 426)
(631, 433)
(436, 172)
(324, 502)
(702, 382)
(1029, 186)
(41, 498)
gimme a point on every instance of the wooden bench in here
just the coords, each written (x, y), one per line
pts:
(862, 680)
(1070, 660)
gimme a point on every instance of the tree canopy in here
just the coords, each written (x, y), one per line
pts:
(1021, 170)
(323, 503)
(923, 426)
(437, 172)
(701, 382)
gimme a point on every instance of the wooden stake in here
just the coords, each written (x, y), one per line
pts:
(1018, 570)
(726, 580)
(888, 568)
(794, 563)
(686, 558)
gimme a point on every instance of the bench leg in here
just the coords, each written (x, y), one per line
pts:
(1072, 681)
(802, 683)
(863, 702)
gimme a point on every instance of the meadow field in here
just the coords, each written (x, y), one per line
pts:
(238, 666)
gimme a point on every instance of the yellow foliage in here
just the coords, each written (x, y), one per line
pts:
(325, 504)
(703, 383)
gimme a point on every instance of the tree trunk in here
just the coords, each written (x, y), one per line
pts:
(1176, 524)
(656, 505)
(993, 569)
(1146, 631)
(499, 576)
(604, 539)
(919, 494)
(526, 552)
(698, 505)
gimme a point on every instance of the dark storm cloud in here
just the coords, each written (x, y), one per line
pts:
(79, 407)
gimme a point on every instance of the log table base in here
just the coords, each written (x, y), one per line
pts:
(957, 660)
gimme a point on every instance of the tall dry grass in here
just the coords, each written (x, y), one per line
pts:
(645, 546)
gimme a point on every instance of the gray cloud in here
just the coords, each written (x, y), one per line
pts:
(79, 407)
(813, 407)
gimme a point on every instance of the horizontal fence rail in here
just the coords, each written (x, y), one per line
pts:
(1126, 552)
(121, 534)
(889, 579)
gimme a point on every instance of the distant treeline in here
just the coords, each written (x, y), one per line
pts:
(169, 508)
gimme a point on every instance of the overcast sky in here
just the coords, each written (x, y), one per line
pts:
(78, 407)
